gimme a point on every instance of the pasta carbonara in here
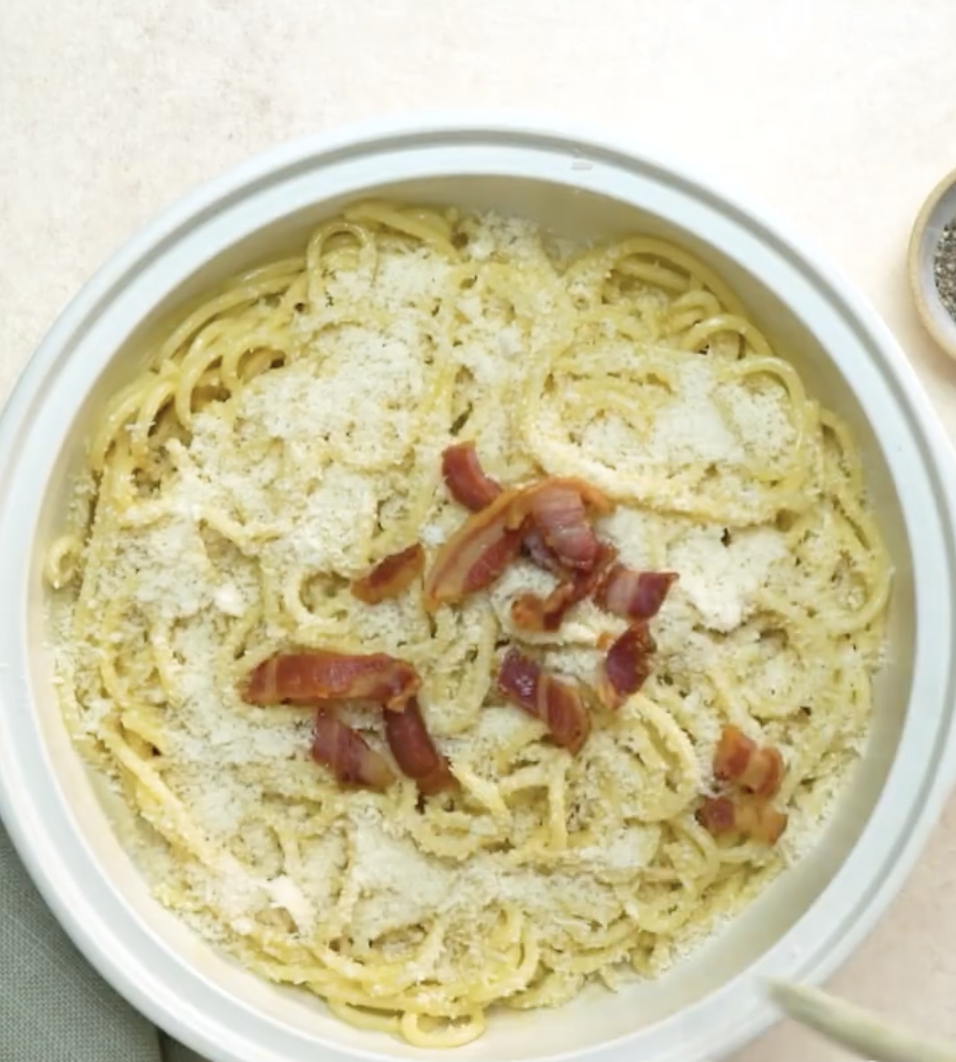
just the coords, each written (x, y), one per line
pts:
(287, 436)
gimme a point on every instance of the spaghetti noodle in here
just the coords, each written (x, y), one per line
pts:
(287, 436)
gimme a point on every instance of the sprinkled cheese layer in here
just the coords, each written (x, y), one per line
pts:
(288, 437)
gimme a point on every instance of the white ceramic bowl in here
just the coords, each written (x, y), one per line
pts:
(580, 185)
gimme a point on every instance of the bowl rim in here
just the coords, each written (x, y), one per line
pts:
(240, 181)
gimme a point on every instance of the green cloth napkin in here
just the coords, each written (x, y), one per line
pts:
(53, 1006)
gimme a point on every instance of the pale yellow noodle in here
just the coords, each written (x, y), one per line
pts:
(179, 577)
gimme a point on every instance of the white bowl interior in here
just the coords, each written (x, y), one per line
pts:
(598, 1017)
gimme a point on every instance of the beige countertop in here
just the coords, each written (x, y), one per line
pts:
(838, 115)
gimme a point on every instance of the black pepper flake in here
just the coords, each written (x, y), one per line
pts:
(944, 268)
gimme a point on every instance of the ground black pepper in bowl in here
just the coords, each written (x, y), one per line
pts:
(944, 268)
(931, 263)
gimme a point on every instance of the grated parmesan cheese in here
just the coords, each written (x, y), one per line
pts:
(272, 501)
(721, 580)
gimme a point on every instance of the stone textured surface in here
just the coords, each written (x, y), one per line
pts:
(836, 115)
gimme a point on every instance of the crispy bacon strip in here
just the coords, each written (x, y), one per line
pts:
(477, 553)
(627, 665)
(632, 594)
(718, 815)
(414, 751)
(541, 555)
(465, 479)
(317, 677)
(559, 509)
(483, 546)
(733, 754)
(556, 703)
(753, 818)
(390, 576)
(532, 612)
(347, 754)
(737, 759)
(471, 486)
(535, 613)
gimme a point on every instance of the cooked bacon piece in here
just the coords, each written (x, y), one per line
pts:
(480, 550)
(477, 553)
(627, 665)
(737, 759)
(733, 754)
(555, 703)
(632, 594)
(414, 751)
(762, 822)
(718, 815)
(541, 555)
(471, 486)
(345, 751)
(317, 677)
(532, 612)
(535, 613)
(753, 818)
(390, 576)
(559, 509)
(465, 479)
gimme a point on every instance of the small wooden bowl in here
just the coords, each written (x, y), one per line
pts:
(938, 210)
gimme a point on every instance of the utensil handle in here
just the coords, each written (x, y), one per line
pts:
(856, 1029)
